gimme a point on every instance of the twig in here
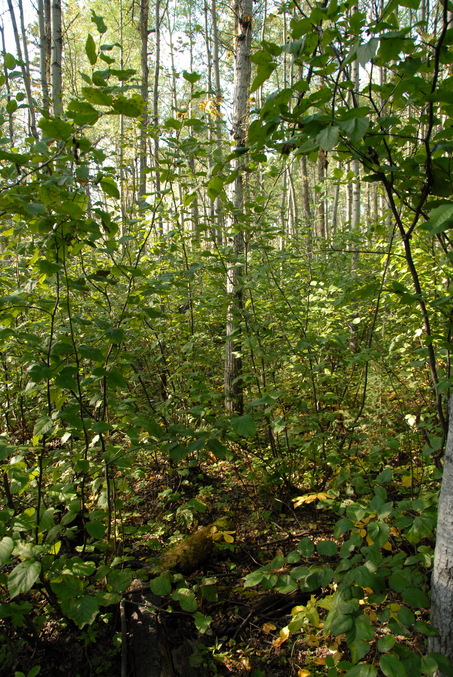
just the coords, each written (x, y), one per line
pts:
(124, 638)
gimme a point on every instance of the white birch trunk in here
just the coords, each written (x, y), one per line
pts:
(56, 50)
(442, 578)
(242, 71)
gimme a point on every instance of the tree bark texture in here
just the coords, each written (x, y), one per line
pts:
(57, 49)
(144, 20)
(442, 579)
(242, 71)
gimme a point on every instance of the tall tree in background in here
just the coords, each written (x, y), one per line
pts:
(234, 284)
(44, 49)
(56, 58)
(144, 16)
(25, 68)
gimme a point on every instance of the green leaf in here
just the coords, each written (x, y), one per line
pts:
(215, 187)
(54, 128)
(363, 670)
(99, 21)
(191, 77)
(10, 61)
(131, 107)
(123, 74)
(355, 129)
(328, 138)
(6, 548)
(244, 425)
(90, 49)
(23, 577)
(202, 622)
(442, 216)
(119, 580)
(39, 372)
(386, 643)
(306, 547)
(253, 579)
(328, 548)
(367, 51)
(391, 666)
(161, 585)
(97, 96)
(34, 671)
(96, 529)
(42, 426)
(263, 72)
(415, 597)
(186, 599)
(218, 449)
(342, 526)
(421, 527)
(109, 187)
(82, 610)
(91, 353)
(379, 533)
(82, 113)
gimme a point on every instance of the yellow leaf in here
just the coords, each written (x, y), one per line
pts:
(309, 498)
(303, 673)
(245, 660)
(284, 633)
(278, 642)
(297, 609)
(268, 627)
(406, 481)
(388, 546)
(320, 660)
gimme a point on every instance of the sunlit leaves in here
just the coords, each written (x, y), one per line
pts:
(90, 50)
(99, 21)
(54, 128)
(6, 548)
(23, 577)
(97, 96)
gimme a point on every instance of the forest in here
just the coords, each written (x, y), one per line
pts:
(225, 338)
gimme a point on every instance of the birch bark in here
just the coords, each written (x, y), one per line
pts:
(234, 399)
(442, 578)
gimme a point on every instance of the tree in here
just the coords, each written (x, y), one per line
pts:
(234, 281)
(442, 585)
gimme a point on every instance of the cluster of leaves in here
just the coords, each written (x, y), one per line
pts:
(372, 580)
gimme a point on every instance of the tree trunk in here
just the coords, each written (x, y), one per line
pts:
(44, 55)
(25, 68)
(56, 66)
(157, 21)
(233, 358)
(442, 579)
(8, 89)
(144, 17)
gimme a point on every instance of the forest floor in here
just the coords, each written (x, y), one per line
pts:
(243, 637)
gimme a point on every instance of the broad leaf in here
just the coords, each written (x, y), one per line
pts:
(244, 425)
(23, 577)
(82, 610)
(90, 49)
(328, 138)
(6, 548)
